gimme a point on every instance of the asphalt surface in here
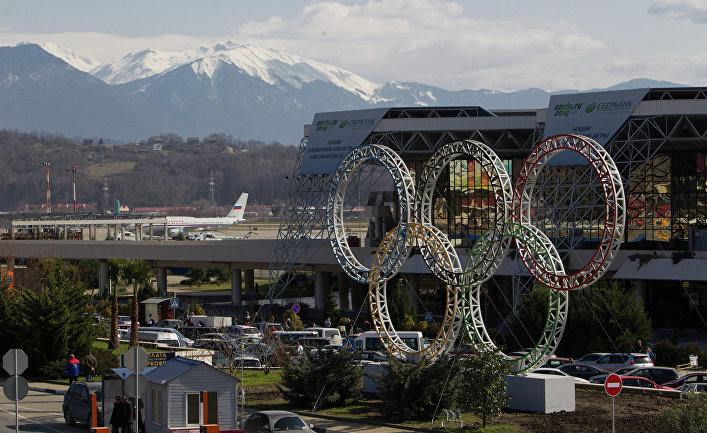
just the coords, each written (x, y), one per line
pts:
(40, 411)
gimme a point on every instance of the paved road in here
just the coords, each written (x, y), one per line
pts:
(40, 411)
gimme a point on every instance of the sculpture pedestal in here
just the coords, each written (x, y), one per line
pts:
(541, 393)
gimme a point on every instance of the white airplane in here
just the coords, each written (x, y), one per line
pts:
(186, 224)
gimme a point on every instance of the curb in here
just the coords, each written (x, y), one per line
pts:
(48, 390)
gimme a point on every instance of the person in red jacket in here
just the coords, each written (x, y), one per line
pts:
(72, 368)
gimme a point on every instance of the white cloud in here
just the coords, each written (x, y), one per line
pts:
(430, 41)
(693, 10)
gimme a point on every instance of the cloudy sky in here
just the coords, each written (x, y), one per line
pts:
(465, 44)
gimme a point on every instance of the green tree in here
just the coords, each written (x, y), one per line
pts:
(8, 307)
(55, 320)
(413, 390)
(399, 303)
(139, 274)
(482, 385)
(329, 378)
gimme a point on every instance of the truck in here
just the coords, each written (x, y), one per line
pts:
(212, 321)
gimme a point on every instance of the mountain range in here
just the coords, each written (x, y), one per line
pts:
(238, 89)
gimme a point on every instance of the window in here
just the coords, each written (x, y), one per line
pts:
(193, 409)
(156, 399)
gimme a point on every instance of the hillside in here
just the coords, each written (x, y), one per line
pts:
(176, 176)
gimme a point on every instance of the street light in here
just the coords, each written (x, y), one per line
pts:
(73, 169)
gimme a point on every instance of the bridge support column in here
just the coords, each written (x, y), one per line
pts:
(322, 286)
(102, 277)
(249, 278)
(236, 287)
(358, 296)
(10, 263)
(166, 232)
(152, 228)
(115, 232)
(343, 281)
(162, 281)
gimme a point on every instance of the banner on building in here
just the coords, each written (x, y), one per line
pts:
(597, 115)
(334, 134)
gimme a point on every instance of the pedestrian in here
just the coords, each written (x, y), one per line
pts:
(115, 421)
(247, 318)
(327, 322)
(650, 354)
(91, 364)
(126, 415)
(71, 369)
(300, 349)
(149, 320)
(140, 421)
(638, 347)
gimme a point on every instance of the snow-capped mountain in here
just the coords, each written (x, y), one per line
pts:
(273, 67)
(237, 89)
(82, 63)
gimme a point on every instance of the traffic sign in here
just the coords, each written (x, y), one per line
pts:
(428, 316)
(136, 359)
(141, 384)
(295, 308)
(613, 385)
(174, 303)
(13, 392)
(15, 361)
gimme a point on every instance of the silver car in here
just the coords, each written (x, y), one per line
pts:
(276, 420)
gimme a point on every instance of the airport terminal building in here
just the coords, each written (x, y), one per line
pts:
(657, 138)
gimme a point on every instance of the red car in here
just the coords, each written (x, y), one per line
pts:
(697, 377)
(640, 382)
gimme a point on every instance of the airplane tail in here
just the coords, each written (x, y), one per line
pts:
(239, 207)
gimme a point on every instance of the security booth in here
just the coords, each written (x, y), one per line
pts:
(160, 308)
(183, 394)
(114, 384)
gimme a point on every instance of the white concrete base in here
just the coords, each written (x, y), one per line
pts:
(541, 393)
(370, 372)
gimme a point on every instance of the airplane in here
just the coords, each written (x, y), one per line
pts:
(186, 224)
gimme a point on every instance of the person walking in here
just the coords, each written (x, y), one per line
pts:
(126, 415)
(300, 349)
(91, 364)
(327, 322)
(116, 424)
(150, 321)
(71, 369)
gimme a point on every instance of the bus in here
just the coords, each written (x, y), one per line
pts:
(370, 340)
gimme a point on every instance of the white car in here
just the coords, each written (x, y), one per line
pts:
(556, 372)
(613, 361)
(591, 358)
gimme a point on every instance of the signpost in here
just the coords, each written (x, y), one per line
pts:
(295, 308)
(15, 363)
(136, 360)
(613, 386)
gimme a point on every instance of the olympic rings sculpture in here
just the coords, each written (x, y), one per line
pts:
(510, 221)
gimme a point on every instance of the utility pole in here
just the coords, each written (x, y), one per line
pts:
(73, 169)
(47, 166)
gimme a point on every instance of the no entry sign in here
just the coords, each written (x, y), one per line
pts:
(613, 385)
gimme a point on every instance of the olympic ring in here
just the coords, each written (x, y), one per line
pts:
(511, 221)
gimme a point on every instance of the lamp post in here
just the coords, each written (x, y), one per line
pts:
(73, 169)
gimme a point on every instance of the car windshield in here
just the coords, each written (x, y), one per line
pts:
(289, 423)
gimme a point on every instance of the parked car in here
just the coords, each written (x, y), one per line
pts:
(77, 402)
(591, 358)
(242, 331)
(276, 420)
(180, 338)
(216, 341)
(555, 372)
(556, 362)
(580, 370)
(696, 377)
(463, 349)
(169, 323)
(640, 382)
(614, 361)
(659, 375)
(601, 378)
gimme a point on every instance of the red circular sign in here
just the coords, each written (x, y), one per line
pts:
(295, 308)
(613, 385)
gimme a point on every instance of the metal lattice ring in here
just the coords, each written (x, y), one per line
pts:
(405, 189)
(615, 207)
(383, 325)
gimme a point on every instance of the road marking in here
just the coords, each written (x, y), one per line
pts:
(31, 420)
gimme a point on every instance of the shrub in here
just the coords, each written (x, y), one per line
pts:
(53, 369)
(685, 418)
(105, 359)
(412, 390)
(669, 355)
(326, 379)
(482, 387)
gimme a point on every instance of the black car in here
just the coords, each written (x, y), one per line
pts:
(77, 402)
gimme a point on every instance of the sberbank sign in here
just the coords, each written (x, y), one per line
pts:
(569, 108)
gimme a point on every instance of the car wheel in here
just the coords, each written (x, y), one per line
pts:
(68, 418)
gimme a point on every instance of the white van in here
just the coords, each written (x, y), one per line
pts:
(332, 334)
(161, 337)
(242, 331)
(370, 340)
(183, 341)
